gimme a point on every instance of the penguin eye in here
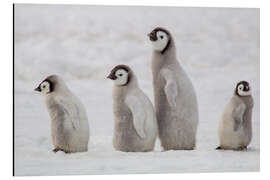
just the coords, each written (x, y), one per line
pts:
(240, 87)
(43, 86)
(120, 74)
(161, 37)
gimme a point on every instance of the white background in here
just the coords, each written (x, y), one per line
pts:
(6, 82)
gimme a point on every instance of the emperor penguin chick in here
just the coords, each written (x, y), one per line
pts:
(135, 126)
(69, 122)
(235, 129)
(175, 98)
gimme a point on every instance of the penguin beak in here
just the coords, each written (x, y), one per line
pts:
(37, 89)
(152, 36)
(112, 76)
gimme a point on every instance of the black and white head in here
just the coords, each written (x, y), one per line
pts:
(121, 75)
(47, 85)
(160, 39)
(243, 89)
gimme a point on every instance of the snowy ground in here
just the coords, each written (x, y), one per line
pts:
(217, 47)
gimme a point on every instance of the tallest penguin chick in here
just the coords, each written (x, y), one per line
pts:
(175, 98)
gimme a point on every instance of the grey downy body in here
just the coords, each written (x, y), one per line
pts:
(177, 125)
(69, 122)
(129, 102)
(235, 130)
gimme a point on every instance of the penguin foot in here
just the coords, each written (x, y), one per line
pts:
(58, 149)
(218, 148)
(243, 148)
(178, 148)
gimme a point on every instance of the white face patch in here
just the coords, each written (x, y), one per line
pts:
(242, 92)
(161, 42)
(45, 87)
(121, 77)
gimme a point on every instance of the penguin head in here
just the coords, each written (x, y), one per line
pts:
(45, 87)
(120, 75)
(243, 89)
(51, 84)
(160, 39)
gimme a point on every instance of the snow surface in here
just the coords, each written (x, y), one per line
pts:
(217, 47)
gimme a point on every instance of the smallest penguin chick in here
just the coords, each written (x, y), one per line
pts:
(235, 129)
(69, 122)
(135, 125)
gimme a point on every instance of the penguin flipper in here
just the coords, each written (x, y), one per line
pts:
(237, 115)
(170, 88)
(138, 113)
(71, 113)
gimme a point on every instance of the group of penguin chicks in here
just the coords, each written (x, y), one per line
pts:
(136, 122)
